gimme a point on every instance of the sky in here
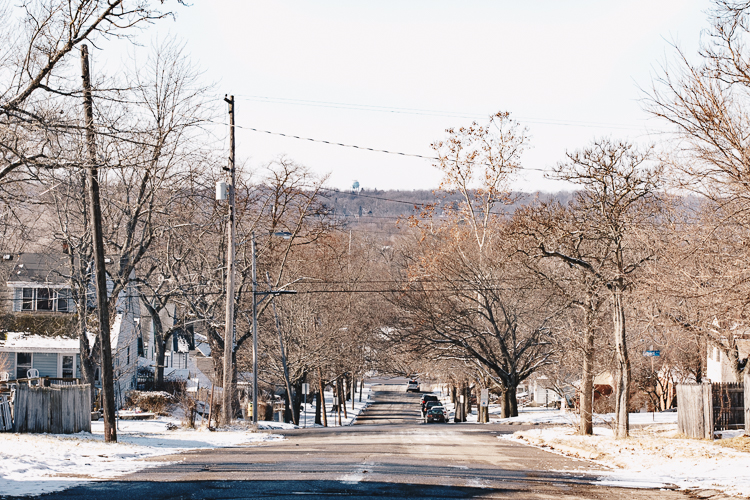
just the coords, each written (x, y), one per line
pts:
(394, 75)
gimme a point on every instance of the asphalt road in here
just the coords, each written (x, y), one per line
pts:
(389, 453)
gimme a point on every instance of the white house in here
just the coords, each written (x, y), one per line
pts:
(541, 390)
(718, 368)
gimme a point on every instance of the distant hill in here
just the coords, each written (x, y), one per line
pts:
(395, 204)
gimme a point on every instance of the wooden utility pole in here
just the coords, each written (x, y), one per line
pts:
(108, 386)
(226, 407)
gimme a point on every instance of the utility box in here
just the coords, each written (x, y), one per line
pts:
(222, 191)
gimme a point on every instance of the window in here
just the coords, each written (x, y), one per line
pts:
(127, 360)
(44, 299)
(68, 367)
(28, 299)
(63, 296)
(23, 364)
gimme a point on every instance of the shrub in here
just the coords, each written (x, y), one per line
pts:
(155, 402)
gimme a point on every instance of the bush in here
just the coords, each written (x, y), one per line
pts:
(154, 402)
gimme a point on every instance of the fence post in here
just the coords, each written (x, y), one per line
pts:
(747, 402)
(708, 412)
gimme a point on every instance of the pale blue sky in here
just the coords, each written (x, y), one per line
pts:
(570, 70)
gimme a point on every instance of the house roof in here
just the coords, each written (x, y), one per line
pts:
(26, 342)
(50, 269)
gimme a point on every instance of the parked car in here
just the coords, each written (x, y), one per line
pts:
(412, 386)
(435, 414)
(429, 405)
(426, 398)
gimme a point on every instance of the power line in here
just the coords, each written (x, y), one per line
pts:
(354, 146)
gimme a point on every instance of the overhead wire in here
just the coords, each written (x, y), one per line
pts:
(355, 146)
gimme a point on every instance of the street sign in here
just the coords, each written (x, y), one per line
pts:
(485, 397)
(305, 388)
(652, 354)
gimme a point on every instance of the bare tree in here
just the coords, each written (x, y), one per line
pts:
(38, 39)
(620, 200)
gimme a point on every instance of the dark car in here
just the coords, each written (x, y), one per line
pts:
(435, 414)
(426, 398)
(429, 405)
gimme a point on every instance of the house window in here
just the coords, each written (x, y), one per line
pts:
(45, 299)
(127, 360)
(63, 296)
(67, 367)
(28, 299)
(23, 364)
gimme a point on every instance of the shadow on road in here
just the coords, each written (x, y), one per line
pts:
(274, 489)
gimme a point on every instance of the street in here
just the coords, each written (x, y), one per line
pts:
(389, 453)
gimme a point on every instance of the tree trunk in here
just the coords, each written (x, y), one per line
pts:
(160, 351)
(318, 397)
(87, 358)
(622, 375)
(510, 403)
(342, 398)
(587, 385)
(361, 386)
(322, 398)
(287, 408)
(297, 401)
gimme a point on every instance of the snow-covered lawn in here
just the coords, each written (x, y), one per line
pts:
(654, 456)
(31, 464)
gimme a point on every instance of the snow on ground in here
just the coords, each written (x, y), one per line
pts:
(31, 464)
(654, 456)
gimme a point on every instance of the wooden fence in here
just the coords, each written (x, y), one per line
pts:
(6, 421)
(695, 410)
(728, 406)
(55, 410)
(705, 408)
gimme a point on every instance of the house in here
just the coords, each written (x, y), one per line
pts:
(718, 368)
(54, 357)
(42, 305)
(541, 390)
(178, 347)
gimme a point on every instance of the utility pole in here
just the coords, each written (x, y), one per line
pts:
(102, 309)
(226, 407)
(255, 330)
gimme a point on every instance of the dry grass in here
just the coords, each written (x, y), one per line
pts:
(740, 443)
